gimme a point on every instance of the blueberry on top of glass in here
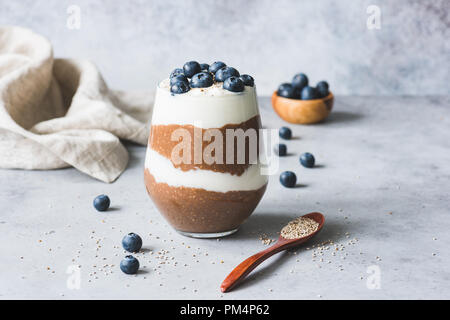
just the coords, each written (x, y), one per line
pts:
(216, 66)
(226, 72)
(204, 67)
(176, 72)
(179, 77)
(234, 84)
(180, 87)
(248, 80)
(202, 80)
(190, 68)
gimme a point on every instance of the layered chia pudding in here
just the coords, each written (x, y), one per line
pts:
(200, 176)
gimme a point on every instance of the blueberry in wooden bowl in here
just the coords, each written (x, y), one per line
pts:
(299, 103)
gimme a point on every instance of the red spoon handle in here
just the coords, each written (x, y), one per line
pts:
(245, 267)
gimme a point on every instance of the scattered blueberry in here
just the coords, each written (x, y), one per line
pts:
(322, 89)
(202, 80)
(309, 93)
(280, 149)
(286, 90)
(176, 72)
(300, 80)
(190, 68)
(234, 84)
(248, 80)
(178, 77)
(180, 87)
(216, 66)
(307, 160)
(288, 179)
(204, 67)
(102, 202)
(285, 133)
(129, 265)
(226, 72)
(132, 242)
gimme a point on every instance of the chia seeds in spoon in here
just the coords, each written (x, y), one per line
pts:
(298, 228)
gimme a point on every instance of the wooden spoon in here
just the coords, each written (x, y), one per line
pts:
(245, 267)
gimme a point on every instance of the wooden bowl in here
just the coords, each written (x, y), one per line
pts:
(302, 111)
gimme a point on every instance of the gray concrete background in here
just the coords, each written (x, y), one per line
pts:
(136, 43)
(382, 178)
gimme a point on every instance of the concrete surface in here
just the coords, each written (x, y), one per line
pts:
(383, 177)
(271, 40)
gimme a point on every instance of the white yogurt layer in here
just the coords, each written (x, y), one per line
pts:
(164, 172)
(211, 107)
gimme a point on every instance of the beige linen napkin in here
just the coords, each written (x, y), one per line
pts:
(56, 113)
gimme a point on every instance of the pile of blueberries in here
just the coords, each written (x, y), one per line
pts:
(196, 75)
(299, 89)
(288, 178)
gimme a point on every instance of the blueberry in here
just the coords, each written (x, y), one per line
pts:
(307, 160)
(204, 67)
(300, 80)
(102, 202)
(280, 149)
(286, 90)
(322, 89)
(202, 80)
(224, 73)
(288, 179)
(248, 80)
(190, 68)
(132, 242)
(216, 66)
(234, 84)
(285, 133)
(176, 72)
(179, 77)
(297, 93)
(129, 265)
(309, 93)
(180, 87)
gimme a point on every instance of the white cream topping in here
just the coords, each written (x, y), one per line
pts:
(164, 172)
(211, 107)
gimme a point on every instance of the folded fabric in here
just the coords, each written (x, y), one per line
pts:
(56, 113)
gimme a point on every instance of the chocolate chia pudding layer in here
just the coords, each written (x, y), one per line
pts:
(200, 211)
(161, 142)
